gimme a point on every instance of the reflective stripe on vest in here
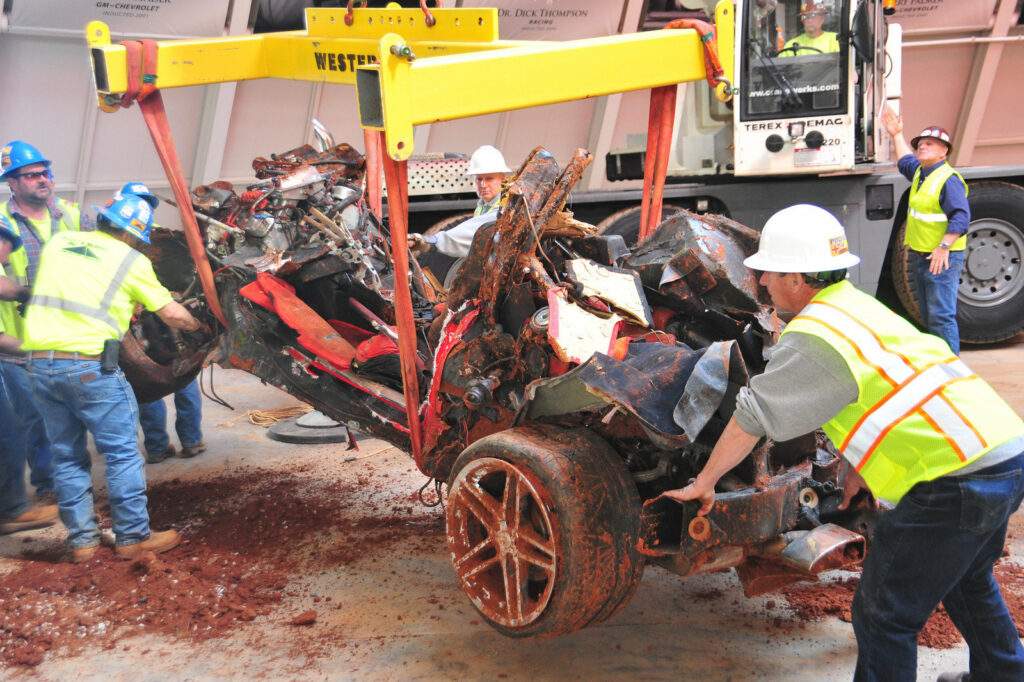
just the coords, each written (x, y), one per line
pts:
(919, 412)
(913, 389)
(100, 312)
(926, 221)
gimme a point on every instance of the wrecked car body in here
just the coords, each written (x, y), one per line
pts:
(565, 383)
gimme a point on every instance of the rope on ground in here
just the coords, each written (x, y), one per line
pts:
(270, 417)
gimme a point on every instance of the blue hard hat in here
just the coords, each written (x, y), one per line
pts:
(139, 189)
(18, 154)
(7, 232)
(131, 213)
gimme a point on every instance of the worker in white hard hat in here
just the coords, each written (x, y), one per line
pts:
(917, 427)
(488, 169)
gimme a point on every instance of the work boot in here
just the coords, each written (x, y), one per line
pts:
(161, 456)
(192, 450)
(80, 555)
(156, 542)
(36, 516)
(954, 677)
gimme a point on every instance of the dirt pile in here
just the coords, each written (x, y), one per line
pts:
(247, 535)
(814, 601)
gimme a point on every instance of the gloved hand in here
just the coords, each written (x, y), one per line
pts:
(418, 245)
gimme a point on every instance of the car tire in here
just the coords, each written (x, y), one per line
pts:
(556, 551)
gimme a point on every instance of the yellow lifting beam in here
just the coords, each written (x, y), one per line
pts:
(400, 92)
(407, 73)
(329, 51)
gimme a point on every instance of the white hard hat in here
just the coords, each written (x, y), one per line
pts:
(802, 238)
(487, 159)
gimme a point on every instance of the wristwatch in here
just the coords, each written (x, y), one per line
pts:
(944, 245)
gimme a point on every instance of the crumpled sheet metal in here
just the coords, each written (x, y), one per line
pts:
(714, 382)
(343, 159)
(705, 253)
(647, 385)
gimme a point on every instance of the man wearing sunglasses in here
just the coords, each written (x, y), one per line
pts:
(34, 214)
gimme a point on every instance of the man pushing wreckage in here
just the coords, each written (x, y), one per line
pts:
(919, 428)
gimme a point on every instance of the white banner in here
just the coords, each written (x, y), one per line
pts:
(553, 19)
(137, 18)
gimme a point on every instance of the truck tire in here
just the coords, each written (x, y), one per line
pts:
(990, 303)
(626, 222)
(543, 525)
(435, 261)
(991, 294)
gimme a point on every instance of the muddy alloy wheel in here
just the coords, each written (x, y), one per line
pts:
(542, 527)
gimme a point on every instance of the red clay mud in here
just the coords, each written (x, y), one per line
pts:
(247, 536)
(814, 601)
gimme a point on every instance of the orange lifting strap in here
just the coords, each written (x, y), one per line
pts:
(661, 122)
(396, 177)
(141, 55)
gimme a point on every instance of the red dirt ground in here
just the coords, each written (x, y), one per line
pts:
(814, 601)
(247, 535)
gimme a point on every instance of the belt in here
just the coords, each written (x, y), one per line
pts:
(60, 355)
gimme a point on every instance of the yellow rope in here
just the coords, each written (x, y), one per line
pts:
(271, 417)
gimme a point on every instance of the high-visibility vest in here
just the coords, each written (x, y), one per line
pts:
(17, 267)
(827, 42)
(926, 221)
(921, 412)
(86, 291)
(492, 205)
(70, 219)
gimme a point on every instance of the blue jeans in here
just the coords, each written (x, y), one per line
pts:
(936, 297)
(13, 496)
(74, 396)
(939, 544)
(27, 419)
(188, 419)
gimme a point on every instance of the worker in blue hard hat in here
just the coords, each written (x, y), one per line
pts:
(139, 189)
(188, 406)
(17, 512)
(34, 214)
(82, 303)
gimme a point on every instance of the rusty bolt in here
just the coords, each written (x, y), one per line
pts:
(699, 529)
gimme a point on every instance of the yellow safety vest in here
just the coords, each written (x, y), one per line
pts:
(827, 42)
(926, 221)
(482, 209)
(921, 412)
(86, 291)
(17, 268)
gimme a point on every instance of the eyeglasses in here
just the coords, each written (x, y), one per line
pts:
(34, 175)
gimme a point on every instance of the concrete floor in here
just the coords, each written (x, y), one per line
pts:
(403, 616)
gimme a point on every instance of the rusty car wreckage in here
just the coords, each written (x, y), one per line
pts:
(566, 380)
